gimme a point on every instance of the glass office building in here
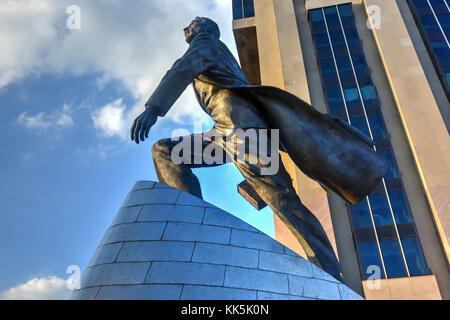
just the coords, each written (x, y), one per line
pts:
(357, 61)
(433, 20)
(382, 223)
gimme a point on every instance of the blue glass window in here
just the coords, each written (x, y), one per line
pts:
(334, 97)
(322, 41)
(368, 253)
(243, 9)
(238, 12)
(316, 15)
(361, 215)
(352, 96)
(361, 124)
(359, 63)
(393, 259)
(377, 127)
(328, 67)
(337, 39)
(344, 65)
(345, 11)
(345, 97)
(368, 93)
(380, 209)
(330, 12)
(400, 207)
(393, 171)
(414, 257)
(352, 37)
(249, 10)
(434, 30)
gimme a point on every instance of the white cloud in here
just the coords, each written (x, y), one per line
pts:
(132, 43)
(50, 288)
(43, 121)
(110, 119)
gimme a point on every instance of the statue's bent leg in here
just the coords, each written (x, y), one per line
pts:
(277, 191)
(174, 161)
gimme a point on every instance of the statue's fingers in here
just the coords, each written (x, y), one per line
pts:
(142, 133)
(136, 132)
(146, 132)
(133, 127)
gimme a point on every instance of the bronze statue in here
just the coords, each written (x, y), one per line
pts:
(339, 157)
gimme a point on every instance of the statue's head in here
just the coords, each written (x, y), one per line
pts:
(200, 24)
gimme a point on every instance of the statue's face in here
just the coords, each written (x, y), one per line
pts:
(191, 30)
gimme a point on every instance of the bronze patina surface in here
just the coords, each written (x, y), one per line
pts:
(326, 149)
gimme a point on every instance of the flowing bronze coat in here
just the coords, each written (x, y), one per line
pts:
(339, 157)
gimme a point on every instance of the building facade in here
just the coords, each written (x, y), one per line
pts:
(384, 67)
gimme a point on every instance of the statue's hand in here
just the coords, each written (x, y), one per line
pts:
(142, 124)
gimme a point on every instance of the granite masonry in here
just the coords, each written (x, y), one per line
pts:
(166, 244)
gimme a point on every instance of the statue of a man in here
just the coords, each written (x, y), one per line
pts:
(225, 94)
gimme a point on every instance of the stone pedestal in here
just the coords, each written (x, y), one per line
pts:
(169, 245)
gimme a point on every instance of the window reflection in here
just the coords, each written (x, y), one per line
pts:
(380, 209)
(414, 257)
(243, 9)
(361, 215)
(393, 260)
(344, 98)
(400, 207)
(370, 257)
(393, 171)
(377, 127)
(361, 124)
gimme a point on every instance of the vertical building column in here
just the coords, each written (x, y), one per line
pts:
(420, 116)
(281, 65)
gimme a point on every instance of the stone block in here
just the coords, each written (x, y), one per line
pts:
(85, 294)
(218, 217)
(115, 273)
(189, 199)
(255, 240)
(105, 254)
(196, 232)
(186, 273)
(126, 215)
(142, 184)
(285, 264)
(256, 280)
(216, 293)
(151, 196)
(178, 213)
(156, 251)
(313, 288)
(348, 294)
(320, 274)
(135, 231)
(226, 255)
(140, 292)
(276, 296)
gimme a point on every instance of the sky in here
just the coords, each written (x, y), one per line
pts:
(69, 91)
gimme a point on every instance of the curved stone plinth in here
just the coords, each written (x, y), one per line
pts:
(167, 244)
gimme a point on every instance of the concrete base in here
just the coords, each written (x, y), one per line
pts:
(166, 244)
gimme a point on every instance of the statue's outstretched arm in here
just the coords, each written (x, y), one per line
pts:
(198, 58)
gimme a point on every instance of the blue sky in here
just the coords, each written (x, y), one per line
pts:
(67, 100)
